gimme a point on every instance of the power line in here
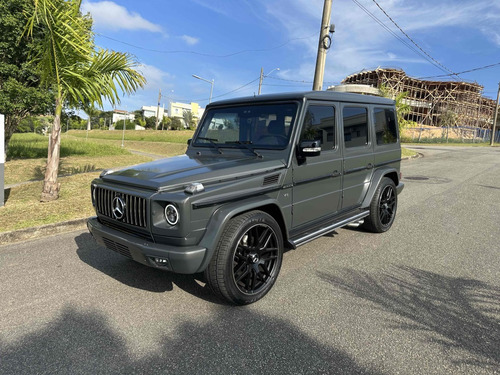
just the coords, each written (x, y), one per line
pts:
(206, 54)
(218, 96)
(403, 41)
(414, 43)
(465, 71)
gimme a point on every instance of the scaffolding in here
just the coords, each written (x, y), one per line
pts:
(429, 100)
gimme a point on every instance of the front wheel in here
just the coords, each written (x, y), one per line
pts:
(383, 207)
(247, 259)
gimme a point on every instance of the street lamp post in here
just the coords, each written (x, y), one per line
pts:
(211, 87)
(262, 76)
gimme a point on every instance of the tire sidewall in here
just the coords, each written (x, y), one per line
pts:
(254, 218)
(375, 206)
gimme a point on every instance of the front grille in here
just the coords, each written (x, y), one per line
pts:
(117, 247)
(134, 209)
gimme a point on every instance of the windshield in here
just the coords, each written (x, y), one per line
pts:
(261, 126)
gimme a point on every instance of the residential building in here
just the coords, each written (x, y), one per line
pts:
(119, 114)
(151, 110)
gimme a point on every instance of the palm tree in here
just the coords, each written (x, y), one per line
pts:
(77, 72)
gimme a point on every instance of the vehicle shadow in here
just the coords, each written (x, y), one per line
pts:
(464, 313)
(138, 276)
(79, 342)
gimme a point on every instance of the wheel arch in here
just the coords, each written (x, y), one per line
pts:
(223, 214)
(378, 175)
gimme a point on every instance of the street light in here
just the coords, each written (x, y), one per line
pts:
(262, 75)
(211, 83)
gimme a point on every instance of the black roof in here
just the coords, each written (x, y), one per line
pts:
(310, 95)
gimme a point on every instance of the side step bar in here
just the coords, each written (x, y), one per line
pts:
(296, 242)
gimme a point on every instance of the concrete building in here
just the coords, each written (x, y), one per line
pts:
(119, 114)
(428, 99)
(177, 109)
(150, 111)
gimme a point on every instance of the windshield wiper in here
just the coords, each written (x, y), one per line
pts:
(212, 143)
(246, 144)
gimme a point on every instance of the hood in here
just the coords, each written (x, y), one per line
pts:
(178, 171)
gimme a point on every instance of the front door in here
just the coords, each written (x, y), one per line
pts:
(317, 180)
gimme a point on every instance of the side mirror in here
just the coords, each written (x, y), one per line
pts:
(310, 148)
(189, 141)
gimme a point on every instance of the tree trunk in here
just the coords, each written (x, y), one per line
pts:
(51, 187)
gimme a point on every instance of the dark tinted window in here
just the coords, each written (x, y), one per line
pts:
(385, 126)
(355, 126)
(263, 126)
(319, 124)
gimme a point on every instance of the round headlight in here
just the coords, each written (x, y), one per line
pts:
(171, 214)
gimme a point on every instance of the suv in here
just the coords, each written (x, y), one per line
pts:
(261, 175)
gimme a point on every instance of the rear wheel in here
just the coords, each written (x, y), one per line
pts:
(248, 258)
(383, 207)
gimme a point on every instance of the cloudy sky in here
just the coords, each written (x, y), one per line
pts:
(230, 40)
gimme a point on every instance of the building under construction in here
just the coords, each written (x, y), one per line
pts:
(430, 99)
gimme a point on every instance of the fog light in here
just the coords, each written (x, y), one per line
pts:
(160, 262)
(171, 214)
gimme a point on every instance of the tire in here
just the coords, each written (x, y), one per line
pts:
(383, 207)
(247, 259)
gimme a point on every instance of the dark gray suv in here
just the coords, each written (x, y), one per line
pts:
(261, 175)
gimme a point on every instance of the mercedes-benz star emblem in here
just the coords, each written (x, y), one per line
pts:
(118, 208)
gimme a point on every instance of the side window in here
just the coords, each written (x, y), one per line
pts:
(385, 126)
(319, 124)
(355, 126)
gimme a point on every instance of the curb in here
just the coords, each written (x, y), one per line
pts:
(42, 231)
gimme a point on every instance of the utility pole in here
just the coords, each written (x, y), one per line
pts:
(323, 46)
(495, 118)
(158, 109)
(261, 78)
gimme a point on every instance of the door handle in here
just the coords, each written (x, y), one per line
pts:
(369, 166)
(336, 173)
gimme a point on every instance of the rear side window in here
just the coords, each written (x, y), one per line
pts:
(355, 126)
(385, 126)
(319, 124)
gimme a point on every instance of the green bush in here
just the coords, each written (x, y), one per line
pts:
(129, 125)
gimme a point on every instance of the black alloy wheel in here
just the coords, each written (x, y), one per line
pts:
(247, 259)
(383, 207)
(255, 259)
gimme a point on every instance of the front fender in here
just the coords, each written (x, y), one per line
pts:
(221, 217)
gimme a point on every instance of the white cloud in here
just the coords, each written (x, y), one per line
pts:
(109, 15)
(156, 78)
(360, 42)
(190, 40)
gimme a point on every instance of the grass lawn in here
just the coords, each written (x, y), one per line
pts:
(23, 208)
(171, 136)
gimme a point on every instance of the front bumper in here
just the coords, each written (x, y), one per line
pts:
(177, 259)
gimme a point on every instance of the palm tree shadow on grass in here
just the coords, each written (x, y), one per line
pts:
(233, 341)
(464, 313)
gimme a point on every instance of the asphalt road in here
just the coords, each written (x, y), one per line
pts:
(423, 298)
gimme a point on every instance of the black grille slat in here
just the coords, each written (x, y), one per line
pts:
(135, 207)
(271, 180)
(117, 247)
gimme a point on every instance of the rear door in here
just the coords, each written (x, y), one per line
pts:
(358, 154)
(317, 180)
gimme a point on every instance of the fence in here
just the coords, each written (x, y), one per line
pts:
(454, 134)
